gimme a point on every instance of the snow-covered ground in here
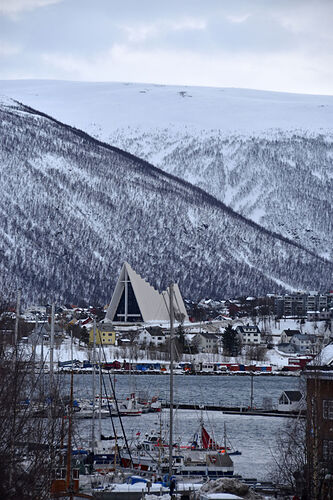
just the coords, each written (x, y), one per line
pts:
(274, 357)
(277, 327)
(111, 353)
(325, 357)
(101, 108)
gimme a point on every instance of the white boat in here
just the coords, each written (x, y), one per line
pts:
(152, 455)
(126, 407)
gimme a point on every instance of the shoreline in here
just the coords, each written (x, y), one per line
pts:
(163, 374)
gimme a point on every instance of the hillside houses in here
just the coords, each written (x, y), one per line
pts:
(287, 335)
(296, 342)
(141, 326)
(324, 315)
(303, 342)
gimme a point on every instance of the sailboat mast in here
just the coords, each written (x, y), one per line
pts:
(17, 318)
(52, 348)
(126, 296)
(171, 377)
(42, 363)
(69, 443)
(251, 397)
(100, 391)
(93, 388)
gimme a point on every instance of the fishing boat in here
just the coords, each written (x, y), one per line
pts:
(152, 454)
(128, 407)
(206, 442)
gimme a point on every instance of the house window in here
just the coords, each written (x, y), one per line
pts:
(328, 409)
(328, 449)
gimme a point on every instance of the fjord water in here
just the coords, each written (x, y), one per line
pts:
(254, 436)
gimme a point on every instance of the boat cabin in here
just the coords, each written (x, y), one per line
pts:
(59, 484)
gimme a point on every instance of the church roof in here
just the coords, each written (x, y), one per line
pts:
(134, 299)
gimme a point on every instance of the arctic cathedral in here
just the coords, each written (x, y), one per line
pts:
(134, 300)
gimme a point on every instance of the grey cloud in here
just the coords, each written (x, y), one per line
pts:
(87, 29)
(257, 34)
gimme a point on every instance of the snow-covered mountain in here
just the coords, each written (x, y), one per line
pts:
(74, 208)
(267, 155)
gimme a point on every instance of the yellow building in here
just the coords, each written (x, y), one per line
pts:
(104, 335)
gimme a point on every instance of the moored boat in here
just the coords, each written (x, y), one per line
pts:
(152, 454)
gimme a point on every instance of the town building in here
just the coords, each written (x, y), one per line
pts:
(249, 334)
(105, 334)
(287, 335)
(319, 429)
(300, 303)
(206, 342)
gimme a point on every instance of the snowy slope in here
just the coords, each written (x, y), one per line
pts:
(105, 107)
(267, 155)
(74, 209)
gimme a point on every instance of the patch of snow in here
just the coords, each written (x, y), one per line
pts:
(325, 357)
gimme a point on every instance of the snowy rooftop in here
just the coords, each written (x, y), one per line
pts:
(325, 357)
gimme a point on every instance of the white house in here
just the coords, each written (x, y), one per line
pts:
(287, 335)
(206, 342)
(152, 336)
(290, 401)
(249, 334)
(303, 342)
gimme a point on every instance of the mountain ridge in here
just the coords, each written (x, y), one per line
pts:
(266, 155)
(145, 163)
(76, 209)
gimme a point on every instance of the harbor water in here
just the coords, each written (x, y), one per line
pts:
(254, 436)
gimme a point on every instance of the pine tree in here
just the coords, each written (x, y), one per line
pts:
(231, 342)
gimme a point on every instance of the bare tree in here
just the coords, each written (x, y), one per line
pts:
(290, 454)
(30, 428)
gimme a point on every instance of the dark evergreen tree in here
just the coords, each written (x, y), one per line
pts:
(231, 342)
(84, 337)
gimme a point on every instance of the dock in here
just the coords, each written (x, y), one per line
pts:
(237, 410)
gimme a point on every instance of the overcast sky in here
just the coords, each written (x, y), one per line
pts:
(284, 45)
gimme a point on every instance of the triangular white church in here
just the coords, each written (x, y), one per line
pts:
(135, 300)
